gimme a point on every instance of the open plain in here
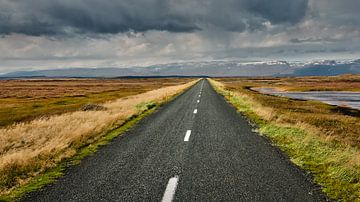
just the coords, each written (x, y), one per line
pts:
(26, 99)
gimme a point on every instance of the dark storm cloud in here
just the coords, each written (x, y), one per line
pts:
(279, 11)
(344, 12)
(56, 17)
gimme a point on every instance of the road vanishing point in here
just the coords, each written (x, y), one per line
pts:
(194, 148)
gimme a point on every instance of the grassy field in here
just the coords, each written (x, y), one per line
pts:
(321, 139)
(24, 100)
(31, 149)
(315, 83)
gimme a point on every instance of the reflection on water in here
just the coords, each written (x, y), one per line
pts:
(340, 98)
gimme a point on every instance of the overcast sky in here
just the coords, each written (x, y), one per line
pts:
(46, 34)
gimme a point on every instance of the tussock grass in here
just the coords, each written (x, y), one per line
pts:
(93, 107)
(29, 149)
(315, 138)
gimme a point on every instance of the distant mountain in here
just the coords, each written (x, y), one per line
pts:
(329, 68)
(73, 72)
(212, 68)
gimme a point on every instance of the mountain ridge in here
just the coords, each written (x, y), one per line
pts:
(210, 68)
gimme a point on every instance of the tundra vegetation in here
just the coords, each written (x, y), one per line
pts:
(27, 99)
(323, 140)
(33, 151)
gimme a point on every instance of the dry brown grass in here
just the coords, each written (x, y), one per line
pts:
(24, 100)
(30, 148)
(47, 88)
(313, 83)
(330, 122)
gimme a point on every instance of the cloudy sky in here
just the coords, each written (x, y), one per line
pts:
(46, 34)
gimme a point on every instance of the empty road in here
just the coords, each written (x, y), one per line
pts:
(195, 148)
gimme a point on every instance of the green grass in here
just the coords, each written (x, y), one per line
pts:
(327, 161)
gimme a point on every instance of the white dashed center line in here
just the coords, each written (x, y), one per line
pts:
(187, 135)
(198, 101)
(195, 111)
(170, 189)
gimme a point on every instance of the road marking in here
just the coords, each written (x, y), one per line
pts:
(170, 189)
(199, 95)
(187, 135)
(195, 111)
(198, 101)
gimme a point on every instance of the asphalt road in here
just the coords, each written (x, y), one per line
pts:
(195, 148)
